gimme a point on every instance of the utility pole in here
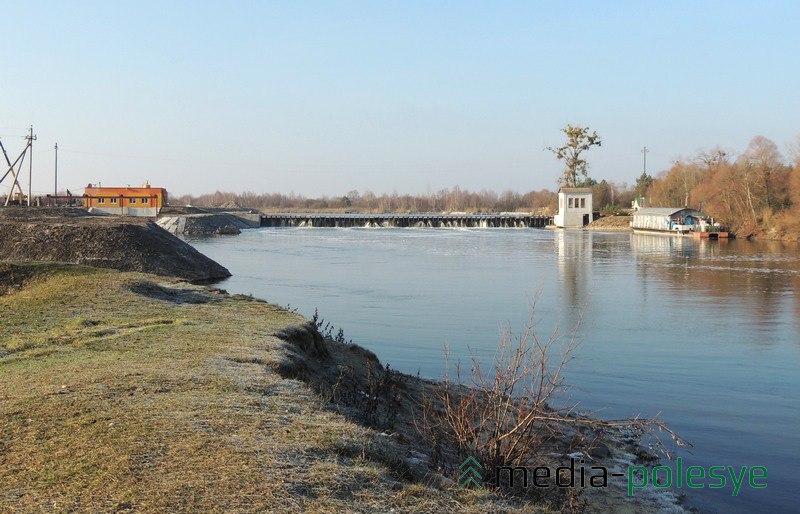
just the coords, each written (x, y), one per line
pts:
(15, 170)
(31, 138)
(55, 175)
(644, 164)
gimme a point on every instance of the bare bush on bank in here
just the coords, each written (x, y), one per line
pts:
(511, 412)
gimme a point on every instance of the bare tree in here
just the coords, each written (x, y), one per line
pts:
(712, 158)
(579, 140)
(760, 160)
(794, 149)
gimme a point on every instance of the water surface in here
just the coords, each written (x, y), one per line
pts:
(705, 333)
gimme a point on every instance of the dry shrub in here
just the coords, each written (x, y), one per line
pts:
(371, 395)
(788, 223)
(512, 412)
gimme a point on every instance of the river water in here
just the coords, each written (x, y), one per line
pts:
(706, 333)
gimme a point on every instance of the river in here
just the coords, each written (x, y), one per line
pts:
(706, 333)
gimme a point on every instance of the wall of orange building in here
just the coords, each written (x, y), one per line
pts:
(125, 197)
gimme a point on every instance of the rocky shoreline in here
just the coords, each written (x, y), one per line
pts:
(208, 224)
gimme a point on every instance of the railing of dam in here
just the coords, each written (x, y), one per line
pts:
(405, 220)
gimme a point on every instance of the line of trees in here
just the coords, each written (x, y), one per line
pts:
(754, 192)
(453, 199)
(579, 139)
(608, 197)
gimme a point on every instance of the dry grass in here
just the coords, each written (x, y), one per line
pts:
(783, 226)
(128, 392)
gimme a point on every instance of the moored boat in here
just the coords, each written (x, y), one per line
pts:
(676, 221)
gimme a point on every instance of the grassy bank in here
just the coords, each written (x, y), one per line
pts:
(124, 391)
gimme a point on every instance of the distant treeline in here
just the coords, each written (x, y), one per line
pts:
(754, 193)
(446, 200)
(608, 197)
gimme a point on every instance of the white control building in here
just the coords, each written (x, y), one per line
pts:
(574, 207)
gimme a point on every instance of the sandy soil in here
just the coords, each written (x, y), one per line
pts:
(611, 224)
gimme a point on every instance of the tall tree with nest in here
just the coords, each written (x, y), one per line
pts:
(576, 169)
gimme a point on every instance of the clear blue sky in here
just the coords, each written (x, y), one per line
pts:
(325, 97)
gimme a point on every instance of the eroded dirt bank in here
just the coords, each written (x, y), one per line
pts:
(117, 242)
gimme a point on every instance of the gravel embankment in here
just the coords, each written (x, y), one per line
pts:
(119, 242)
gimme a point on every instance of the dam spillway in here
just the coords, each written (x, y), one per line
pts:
(327, 220)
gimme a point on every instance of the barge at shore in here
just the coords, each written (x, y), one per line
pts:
(676, 221)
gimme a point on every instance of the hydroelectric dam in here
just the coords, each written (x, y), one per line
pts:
(326, 220)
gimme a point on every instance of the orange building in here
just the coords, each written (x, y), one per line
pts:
(125, 197)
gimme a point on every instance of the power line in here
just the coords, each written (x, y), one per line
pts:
(31, 138)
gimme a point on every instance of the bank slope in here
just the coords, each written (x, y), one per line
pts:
(122, 243)
(130, 392)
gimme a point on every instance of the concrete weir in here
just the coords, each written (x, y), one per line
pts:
(405, 220)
